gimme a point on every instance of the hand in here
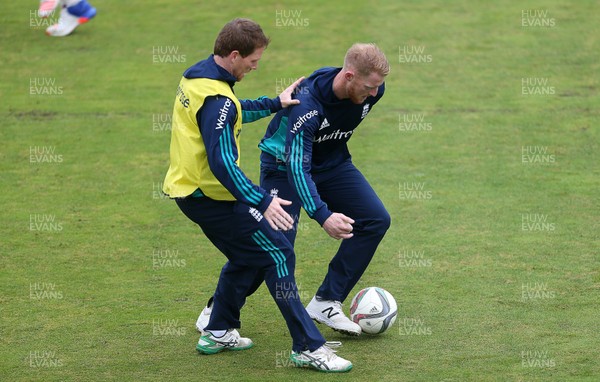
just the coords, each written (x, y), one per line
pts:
(339, 226)
(276, 215)
(286, 96)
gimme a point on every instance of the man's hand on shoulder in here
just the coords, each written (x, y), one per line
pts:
(286, 96)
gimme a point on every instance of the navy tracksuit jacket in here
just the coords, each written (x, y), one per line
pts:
(305, 159)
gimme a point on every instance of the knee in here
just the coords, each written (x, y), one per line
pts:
(379, 222)
(385, 221)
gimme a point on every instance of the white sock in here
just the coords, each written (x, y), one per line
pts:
(217, 333)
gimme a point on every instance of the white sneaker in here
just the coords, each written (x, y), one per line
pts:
(231, 340)
(47, 7)
(322, 359)
(68, 21)
(204, 317)
(331, 314)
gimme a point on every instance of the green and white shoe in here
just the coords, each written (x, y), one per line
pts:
(209, 344)
(323, 359)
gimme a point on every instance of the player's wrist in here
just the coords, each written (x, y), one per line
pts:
(264, 203)
(322, 215)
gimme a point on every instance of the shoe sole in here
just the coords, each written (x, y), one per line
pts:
(343, 331)
(81, 20)
(211, 351)
(300, 363)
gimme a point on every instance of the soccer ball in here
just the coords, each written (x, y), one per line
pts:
(374, 310)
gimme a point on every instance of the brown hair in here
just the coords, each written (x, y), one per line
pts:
(366, 59)
(243, 35)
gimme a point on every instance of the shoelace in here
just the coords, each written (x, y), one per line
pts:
(338, 306)
(231, 342)
(328, 352)
(229, 339)
(333, 344)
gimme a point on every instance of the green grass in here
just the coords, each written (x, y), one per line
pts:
(100, 322)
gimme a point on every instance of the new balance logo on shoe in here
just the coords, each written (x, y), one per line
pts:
(329, 312)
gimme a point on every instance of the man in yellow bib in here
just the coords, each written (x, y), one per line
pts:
(241, 219)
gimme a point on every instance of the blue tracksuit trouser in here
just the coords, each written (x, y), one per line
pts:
(255, 252)
(345, 190)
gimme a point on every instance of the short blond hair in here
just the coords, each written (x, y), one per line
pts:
(366, 58)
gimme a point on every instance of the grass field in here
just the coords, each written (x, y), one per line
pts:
(484, 150)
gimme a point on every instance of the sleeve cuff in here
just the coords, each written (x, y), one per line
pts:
(321, 215)
(276, 105)
(264, 203)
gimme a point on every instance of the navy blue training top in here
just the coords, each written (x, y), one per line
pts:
(312, 136)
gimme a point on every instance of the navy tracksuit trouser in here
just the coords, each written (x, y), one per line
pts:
(345, 190)
(255, 252)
